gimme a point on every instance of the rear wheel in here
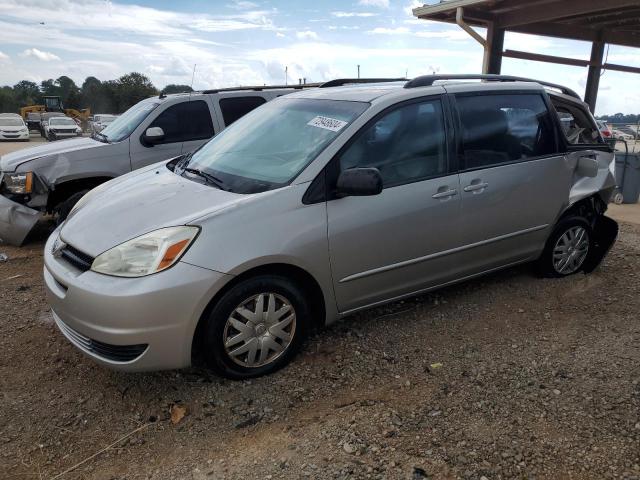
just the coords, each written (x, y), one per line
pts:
(256, 327)
(567, 248)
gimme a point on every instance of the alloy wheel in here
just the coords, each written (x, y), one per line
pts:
(571, 250)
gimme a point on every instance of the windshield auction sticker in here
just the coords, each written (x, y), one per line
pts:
(327, 123)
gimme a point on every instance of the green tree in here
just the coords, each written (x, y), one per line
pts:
(132, 88)
(8, 102)
(172, 88)
(69, 92)
(26, 93)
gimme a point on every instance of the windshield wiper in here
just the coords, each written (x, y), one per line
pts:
(212, 179)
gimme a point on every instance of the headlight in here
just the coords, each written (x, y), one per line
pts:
(150, 253)
(18, 182)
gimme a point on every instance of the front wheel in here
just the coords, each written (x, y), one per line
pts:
(567, 248)
(65, 207)
(256, 328)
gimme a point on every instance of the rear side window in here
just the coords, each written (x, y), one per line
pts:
(406, 145)
(185, 122)
(498, 129)
(234, 108)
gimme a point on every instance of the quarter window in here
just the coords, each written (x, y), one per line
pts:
(234, 108)
(405, 145)
(499, 129)
(185, 122)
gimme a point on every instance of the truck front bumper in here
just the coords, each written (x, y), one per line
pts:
(16, 221)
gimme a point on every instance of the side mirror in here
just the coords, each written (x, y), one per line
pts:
(359, 182)
(587, 167)
(153, 135)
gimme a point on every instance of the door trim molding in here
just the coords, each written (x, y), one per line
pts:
(413, 261)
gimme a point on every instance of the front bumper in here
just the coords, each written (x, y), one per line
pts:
(14, 135)
(16, 221)
(132, 324)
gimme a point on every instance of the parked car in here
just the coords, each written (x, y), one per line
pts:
(623, 134)
(58, 128)
(101, 121)
(154, 129)
(605, 131)
(44, 121)
(33, 121)
(320, 204)
(12, 127)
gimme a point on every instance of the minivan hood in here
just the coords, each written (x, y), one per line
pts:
(138, 203)
(10, 161)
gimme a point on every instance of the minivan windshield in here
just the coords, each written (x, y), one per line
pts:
(270, 146)
(122, 126)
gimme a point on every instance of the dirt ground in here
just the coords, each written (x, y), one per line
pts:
(509, 376)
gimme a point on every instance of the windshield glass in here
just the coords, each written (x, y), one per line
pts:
(270, 146)
(126, 123)
(62, 121)
(10, 122)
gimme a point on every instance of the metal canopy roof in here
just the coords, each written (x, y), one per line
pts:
(610, 21)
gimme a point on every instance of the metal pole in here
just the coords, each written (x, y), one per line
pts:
(593, 78)
(358, 71)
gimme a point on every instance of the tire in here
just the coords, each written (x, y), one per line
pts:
(65, 207)
(575, 236)
(223, 321)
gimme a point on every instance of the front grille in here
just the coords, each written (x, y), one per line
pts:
(115, 353)
(78, 259)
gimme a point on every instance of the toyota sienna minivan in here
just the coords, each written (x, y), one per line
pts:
(322, 203)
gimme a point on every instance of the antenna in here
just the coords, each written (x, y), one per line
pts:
(193, 75)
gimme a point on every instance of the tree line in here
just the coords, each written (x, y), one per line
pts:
(620, 118)
(110, 96)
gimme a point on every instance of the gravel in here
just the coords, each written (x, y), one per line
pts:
(508, 376)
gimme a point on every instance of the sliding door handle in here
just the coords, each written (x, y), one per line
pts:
(474, 187)
(445, 194)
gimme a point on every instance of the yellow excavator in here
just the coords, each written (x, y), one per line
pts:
(54, 104)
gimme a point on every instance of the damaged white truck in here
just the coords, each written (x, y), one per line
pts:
(51, 178)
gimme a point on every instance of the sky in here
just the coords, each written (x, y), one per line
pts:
(242, 42)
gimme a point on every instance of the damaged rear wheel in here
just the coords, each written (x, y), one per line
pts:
(567, 249)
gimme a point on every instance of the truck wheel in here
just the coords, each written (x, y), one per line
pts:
(567, 248)
(64, 208)
(256, 327)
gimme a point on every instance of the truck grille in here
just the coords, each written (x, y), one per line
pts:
(114, 353)
(78, 259)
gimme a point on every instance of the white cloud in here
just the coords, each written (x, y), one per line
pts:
(3, 56)
(242, 5)
(307, 35)
(390, 31)
(413, 4)
(374, 3)
(353, 14)
(40, 55)
(280, 35)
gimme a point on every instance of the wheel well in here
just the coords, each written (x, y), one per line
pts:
(64, 190)
(589, 208)
(300, 276)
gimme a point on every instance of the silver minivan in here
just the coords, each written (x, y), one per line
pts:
(320, 204)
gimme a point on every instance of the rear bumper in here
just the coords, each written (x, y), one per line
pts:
(130, 324)
(16, 221)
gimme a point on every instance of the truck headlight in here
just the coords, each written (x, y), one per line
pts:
(147, 254)
(19, 183)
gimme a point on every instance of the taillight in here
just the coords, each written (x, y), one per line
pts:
(606, 133)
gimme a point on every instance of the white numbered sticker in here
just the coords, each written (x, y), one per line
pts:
(327, 123)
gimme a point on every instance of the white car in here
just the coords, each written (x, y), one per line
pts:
(12, 127)
(61, 127)
(100, 122)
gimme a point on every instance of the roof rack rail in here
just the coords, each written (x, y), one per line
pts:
(258, 88)
(429, 80)
(339, 82)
